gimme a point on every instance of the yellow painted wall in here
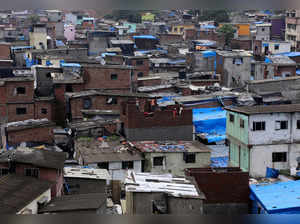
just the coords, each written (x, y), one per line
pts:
(179, 29)
(243, 29)
(148, 17)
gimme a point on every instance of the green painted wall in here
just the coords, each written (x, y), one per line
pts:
(233, 128)
(239, 156)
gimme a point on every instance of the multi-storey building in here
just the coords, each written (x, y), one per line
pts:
(264, 136)
(292, 30)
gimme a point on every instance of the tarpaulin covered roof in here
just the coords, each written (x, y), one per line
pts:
(211, 122)
(145, 37)
(208, 27)
(280, 197)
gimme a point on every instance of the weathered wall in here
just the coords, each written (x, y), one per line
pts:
(174, 163)
(226, 209)
(180, 132)
(185, 206)
(85, 186)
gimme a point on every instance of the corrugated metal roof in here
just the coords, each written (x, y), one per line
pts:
(86, 173)
(263, 109)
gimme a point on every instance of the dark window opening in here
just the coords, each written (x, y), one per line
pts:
(4, 171)
(279, 157)
(21, 90)
(158, 161)
(69, 88)
(127, 165)
(113, 76)
(139, 62)
(32, 172)
(242, 123)
(189, 157)
(21, 110)
(140, 74)
(44, 111)
(111, 100)
(263, 29)
(259, 126)
(103, 165)
(231, 118)
(87, 103)
(298, 124)
(276, 47)
(48, 75)
(281, 125)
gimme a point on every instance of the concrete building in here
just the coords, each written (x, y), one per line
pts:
(264, 136)
(23, 195)
(86, 180)
(173, 156)
(292, 28)
(148, 194)
(234, 67)
(113, 156)
(38, 37)
(275, 47)
(263, 31)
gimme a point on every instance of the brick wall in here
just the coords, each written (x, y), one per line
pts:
(241, 44)
(98, 103)
(144, 68)
(36, 134)
(170, 38)
(209, 183)
(132, 118)
(8, 92)
(100, 78)
(12, 112)
(283, 69)
(44, 109)
(4, 51)
(149, 82)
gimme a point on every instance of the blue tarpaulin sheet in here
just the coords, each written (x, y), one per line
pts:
(219, 161)
(272, 173)
(145, 37)
(212, 122)
(70, 65)
(290, 54)
(208, 27)
(267, 60)
(265, 45)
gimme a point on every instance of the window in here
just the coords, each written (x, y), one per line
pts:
(181, 29)
(21, 90)
(111, 100)
(44, 111)
(140, 74)
(4, 171)
(21, 110)
(139, 62)
(298, 124)
(263, 29)
(189, 157)
(127, 165)
(276, 47)
(69, 88)
(87, 103)
(158, 161)
(231, 118)
(242, 123)
(259, 126)
(175, 29)
(113, 76)
(279, 157)
(103, 165)
(281, 125)
(32, 172)
(237, 61)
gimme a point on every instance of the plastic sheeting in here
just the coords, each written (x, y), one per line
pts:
(210, 121)
(272, 173)
(219, 161)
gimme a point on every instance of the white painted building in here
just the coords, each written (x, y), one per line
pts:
(276, 47)
(263, 31)
(269, 137)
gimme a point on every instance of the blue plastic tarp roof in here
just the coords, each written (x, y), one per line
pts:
(145, 37)
(219, 161)
(267, 60)
(207, 54)
(177, 61)
(208, 27)
(59, 43)
(70, 65)
(298, 71)
(109, 54)
(280, 197)
(211, 121)
(21, 47)
(290, 54)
